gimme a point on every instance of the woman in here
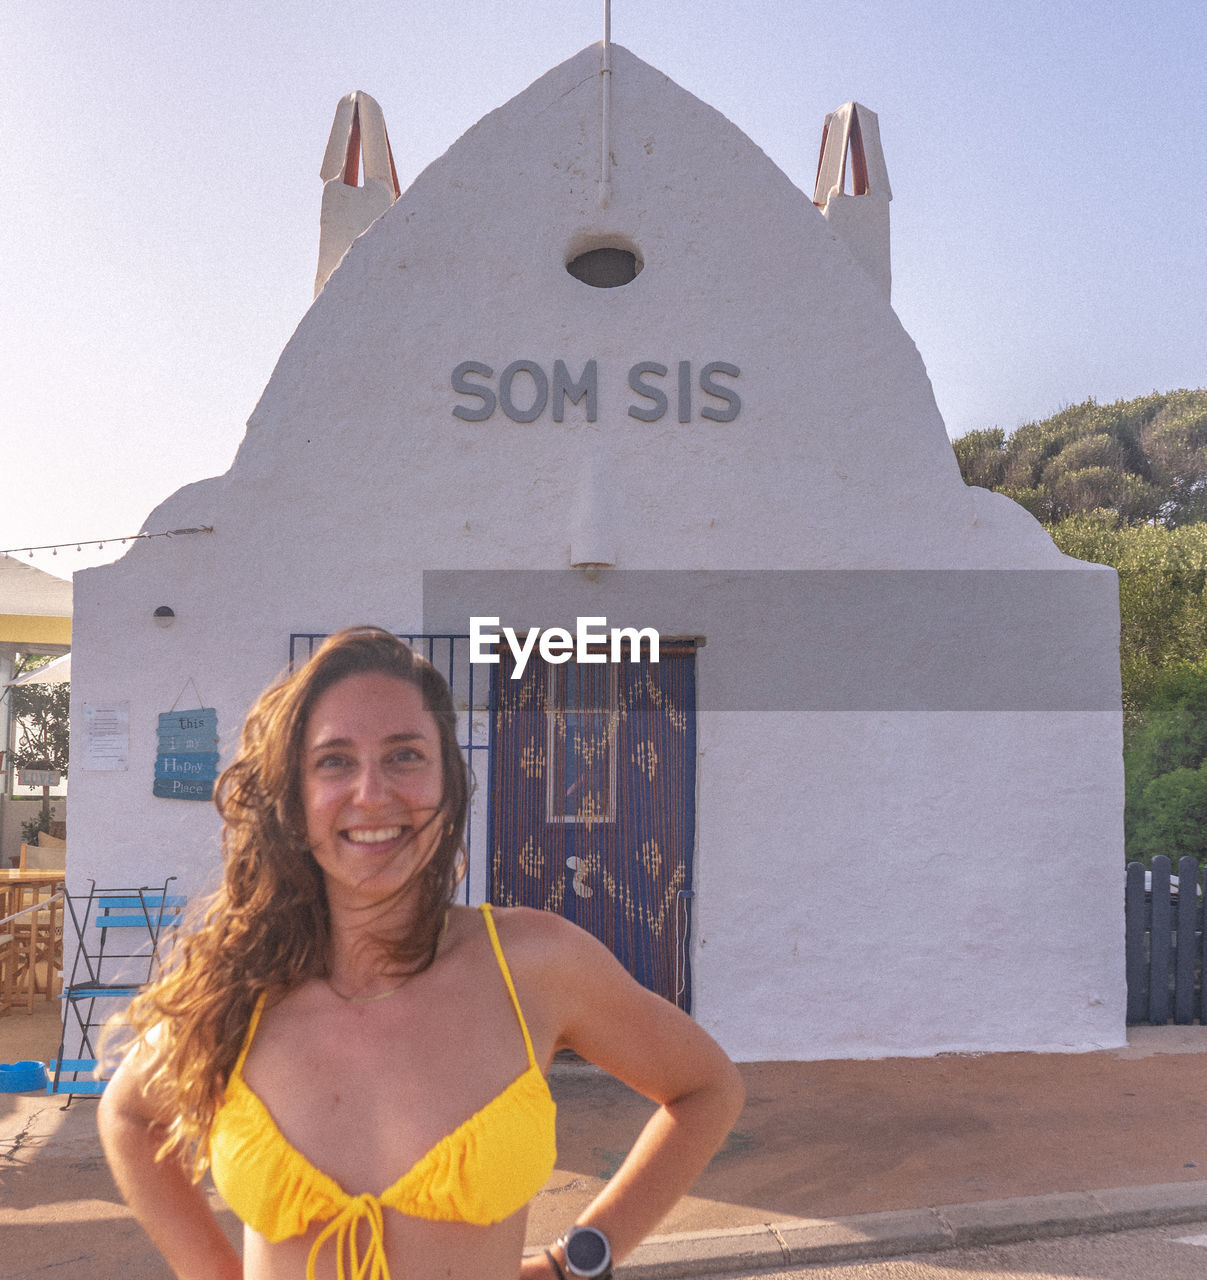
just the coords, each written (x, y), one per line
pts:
(321, 1039)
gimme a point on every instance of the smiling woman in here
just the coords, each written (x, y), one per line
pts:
(332, 977)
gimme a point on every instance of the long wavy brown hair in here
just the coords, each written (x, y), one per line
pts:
(268, 927)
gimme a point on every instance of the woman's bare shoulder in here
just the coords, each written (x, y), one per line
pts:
(527, 930)
(551, 956)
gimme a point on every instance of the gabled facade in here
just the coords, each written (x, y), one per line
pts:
(650, 381)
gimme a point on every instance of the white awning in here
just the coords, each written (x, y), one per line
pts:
(55, 672)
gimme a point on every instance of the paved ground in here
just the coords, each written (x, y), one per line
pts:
(1156, 1253)
(842, 1159)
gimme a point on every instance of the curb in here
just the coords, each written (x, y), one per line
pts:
(802, 1242)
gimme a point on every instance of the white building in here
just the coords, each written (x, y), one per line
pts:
(870, 800)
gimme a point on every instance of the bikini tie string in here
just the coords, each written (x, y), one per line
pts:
(344, 1227)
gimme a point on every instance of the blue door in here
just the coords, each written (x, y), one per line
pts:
(592, 776)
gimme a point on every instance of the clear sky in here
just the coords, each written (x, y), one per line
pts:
(160, 200)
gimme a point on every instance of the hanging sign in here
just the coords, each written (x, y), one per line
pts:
(38, 777)
(186, 765)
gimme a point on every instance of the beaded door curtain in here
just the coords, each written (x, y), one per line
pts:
(593, 803)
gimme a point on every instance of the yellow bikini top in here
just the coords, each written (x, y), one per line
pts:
(488, 1167)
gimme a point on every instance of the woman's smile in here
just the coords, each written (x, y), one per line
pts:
(380, 835)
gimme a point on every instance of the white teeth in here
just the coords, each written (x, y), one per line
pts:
(373, 835)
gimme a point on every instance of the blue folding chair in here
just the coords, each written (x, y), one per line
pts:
(119, 935)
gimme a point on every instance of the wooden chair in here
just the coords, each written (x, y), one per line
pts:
(18, 943)
(43, 857)
(8, 962)
(31, 950)
(40, 933)
(47, 945)
(8, 952)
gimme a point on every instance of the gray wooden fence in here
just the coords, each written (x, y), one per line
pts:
(1165, 944)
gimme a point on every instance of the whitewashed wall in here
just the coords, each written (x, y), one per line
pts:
(969, 832)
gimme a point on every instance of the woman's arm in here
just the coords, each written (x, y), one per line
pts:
(608, 1018)
(172, 1209)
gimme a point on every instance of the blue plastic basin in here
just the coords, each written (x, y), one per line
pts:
(21, 1077)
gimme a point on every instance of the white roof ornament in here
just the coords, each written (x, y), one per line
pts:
(358, 141)
(851, 155)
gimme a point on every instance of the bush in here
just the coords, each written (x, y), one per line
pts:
(1171, 817)
(1164, 763)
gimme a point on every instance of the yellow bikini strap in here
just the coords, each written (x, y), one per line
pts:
(506, 972)
(251, 1032)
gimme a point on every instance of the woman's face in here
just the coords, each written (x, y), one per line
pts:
(372, 781)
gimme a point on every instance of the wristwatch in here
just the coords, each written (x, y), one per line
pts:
(588, 1253)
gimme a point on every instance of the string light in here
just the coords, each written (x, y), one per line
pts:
(54, 547)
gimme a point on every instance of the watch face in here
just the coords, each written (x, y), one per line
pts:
(587, 1251)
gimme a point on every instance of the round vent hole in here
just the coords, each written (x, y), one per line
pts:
(606, 268)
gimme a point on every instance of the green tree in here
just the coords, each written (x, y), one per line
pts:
(40, 715)
(1144, 460)
(982, 457)
(1125, 484)
(1162, 597)
(1165, 767)
(1170, 816)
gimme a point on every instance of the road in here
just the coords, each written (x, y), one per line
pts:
(1158, 1253)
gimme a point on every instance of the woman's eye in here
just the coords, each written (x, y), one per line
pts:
(331, 762)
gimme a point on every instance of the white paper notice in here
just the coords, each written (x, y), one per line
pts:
(106, 736)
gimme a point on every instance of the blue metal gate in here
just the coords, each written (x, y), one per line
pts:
(1165, 943)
